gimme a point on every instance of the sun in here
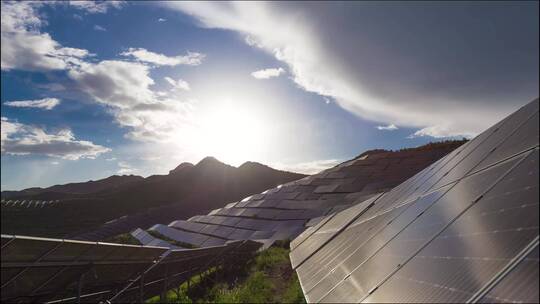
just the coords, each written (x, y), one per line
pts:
(233, 134)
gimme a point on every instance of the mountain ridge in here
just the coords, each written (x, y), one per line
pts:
(188, 190)
(92, 186)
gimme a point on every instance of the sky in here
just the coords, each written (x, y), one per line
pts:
(92, 89)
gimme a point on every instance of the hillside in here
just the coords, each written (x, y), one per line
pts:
(185, 191)
(60, 191)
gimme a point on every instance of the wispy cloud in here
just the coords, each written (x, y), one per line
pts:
(162, 20)
(390, 127)
(143, 55)
(411, 83)
(99, 28)
(45, 103)
(178, 84)
(96, 7)
(268, 73)
(21, 139)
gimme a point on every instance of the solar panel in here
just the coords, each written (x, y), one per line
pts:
(146, 239)
(60, 267)
(240, 234)
(455, 243)
(327, 231)
(64, 262)
(186, 225)
(477, 245)
(308, 232)
(524, 138)
(412, 238)
(179, 235)
(518, 286)
(519, 123)
(363, 238)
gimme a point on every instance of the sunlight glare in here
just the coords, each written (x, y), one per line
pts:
(233, 134)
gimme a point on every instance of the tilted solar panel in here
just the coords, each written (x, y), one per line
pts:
(520, 285)
(43, 270)
(452, 233)
(36, 267)
(327, 231)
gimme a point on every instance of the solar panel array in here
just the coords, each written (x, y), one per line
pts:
(463, 229)
(49, 270)
(326, 254)
(284, 212)
(27, 203)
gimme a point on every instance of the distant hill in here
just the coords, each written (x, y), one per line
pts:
(110, 182)
(187, 190)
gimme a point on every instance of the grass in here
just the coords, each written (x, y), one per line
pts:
(267, 278)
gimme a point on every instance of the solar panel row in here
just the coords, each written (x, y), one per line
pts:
(28, 203)
(280, 213)
(285, 211)
(454, 232)
(42, 270)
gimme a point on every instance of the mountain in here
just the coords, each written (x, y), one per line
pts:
(75, 188)
(179, 168)
(187, 190)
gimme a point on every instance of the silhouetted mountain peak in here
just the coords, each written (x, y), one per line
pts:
(249, 165)
(210, 161)
(181, 167)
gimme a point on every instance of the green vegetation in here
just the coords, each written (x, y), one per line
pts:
(169, 240)
(125, 238)
(267, 278)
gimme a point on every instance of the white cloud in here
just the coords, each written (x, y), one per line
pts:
(45, 103)
(144, 55)
(21, 139)
(24, 47)
(96, 7)
(439, 132)
(390, 127)
(117, 83)
(162, 20)
(124, 87)
(268, 73)
(377, 82)
(55, 163)
(178, 84)
(99, 28)
(312, 167)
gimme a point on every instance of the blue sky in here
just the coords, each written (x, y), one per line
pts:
(91, 89)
